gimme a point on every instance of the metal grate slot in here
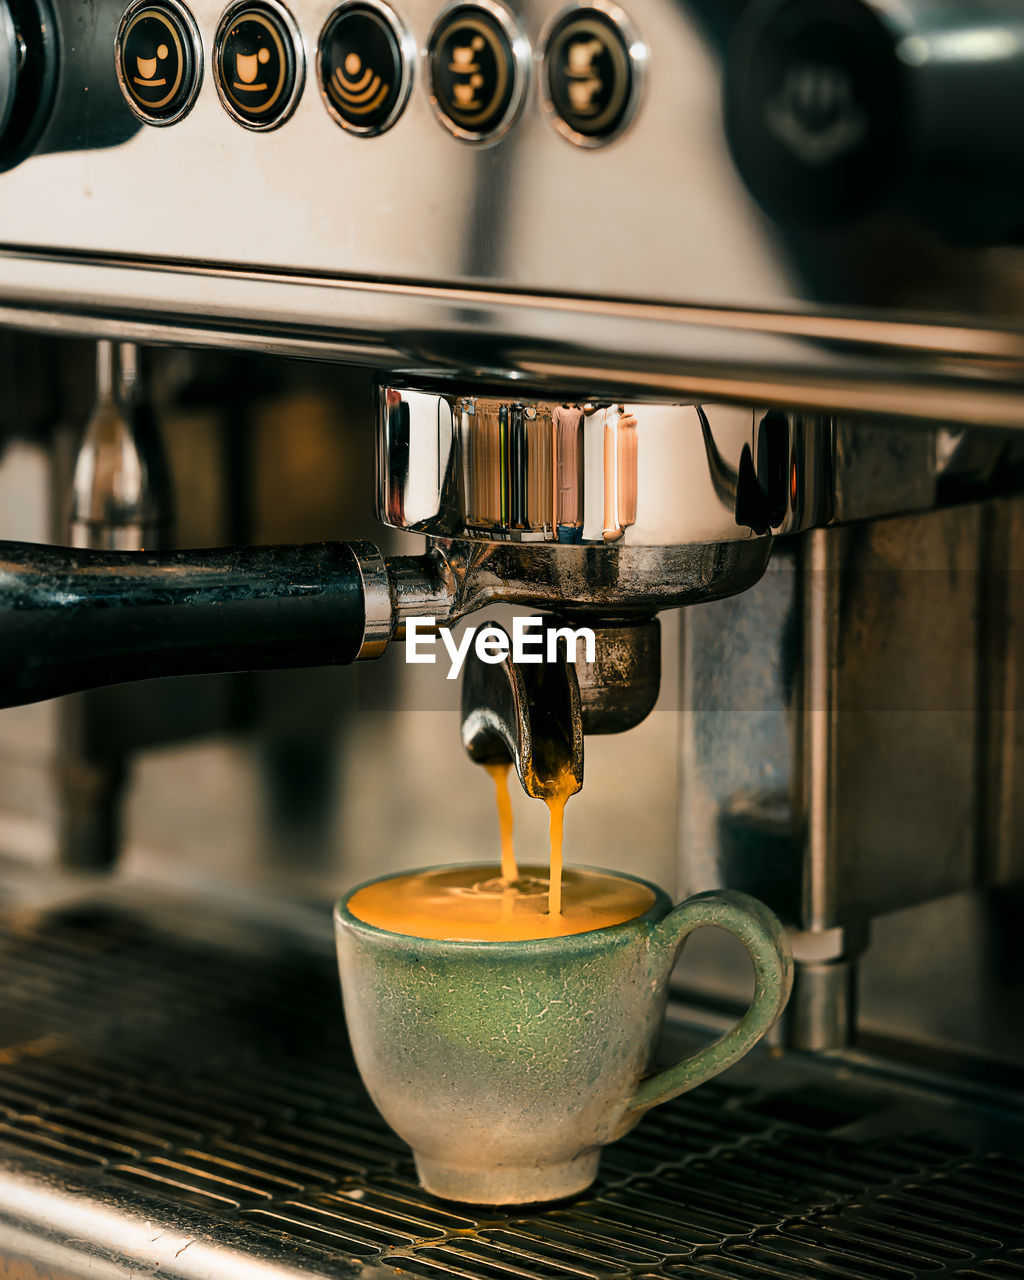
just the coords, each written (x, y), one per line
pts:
(598, 1239)
(29, 1138)
(930, 1247)
(318, 1219)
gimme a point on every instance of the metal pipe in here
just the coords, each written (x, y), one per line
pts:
(120, 496)
(120, 500)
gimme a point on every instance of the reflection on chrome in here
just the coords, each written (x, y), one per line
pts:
(592, 474)
(589, 473)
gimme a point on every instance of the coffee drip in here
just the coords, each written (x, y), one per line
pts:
(566, 785)
(499, 772)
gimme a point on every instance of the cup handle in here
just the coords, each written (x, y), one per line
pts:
(762, 934)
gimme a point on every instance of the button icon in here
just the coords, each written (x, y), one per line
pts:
(476, 71)
(363, 73)
(590, 81)
(158, 61)
(258, 64)
(815, 113)
(817, 104)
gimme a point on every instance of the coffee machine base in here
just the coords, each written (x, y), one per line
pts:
(177, 1098)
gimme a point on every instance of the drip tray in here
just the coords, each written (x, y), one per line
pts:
(177, 1098)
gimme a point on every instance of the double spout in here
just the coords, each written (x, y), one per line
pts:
(534, 715)
(528, 715)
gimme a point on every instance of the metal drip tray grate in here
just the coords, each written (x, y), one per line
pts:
(161, 1086)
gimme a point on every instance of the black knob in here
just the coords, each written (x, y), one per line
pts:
(28, 74)
(836, 109)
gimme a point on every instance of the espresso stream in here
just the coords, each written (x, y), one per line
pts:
(472, 904)
(556, 808)
(499, 772)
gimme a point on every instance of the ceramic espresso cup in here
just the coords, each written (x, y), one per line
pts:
(507, 1066)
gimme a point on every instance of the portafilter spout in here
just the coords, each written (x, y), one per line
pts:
(534, 715)
(526, 715)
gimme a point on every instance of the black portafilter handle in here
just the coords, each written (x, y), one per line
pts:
(74, 619)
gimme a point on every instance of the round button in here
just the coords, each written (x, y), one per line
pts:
(259, 65)
(817, 108)
(158, 61)
(10, 56)
(28, 76)
(363, 74)
(590, 78)
(476, 74)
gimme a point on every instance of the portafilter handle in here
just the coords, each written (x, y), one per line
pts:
(74, 619)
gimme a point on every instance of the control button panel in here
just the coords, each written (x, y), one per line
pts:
(477, 66)
(158, 61)
(590, 79)
(363, 71)
(258, 64)
(477, 76)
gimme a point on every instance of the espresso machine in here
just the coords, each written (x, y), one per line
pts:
(693, 324)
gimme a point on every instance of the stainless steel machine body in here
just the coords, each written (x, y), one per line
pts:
(641, 266)
(749, 360)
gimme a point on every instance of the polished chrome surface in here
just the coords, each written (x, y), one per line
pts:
(378, 609)
(901, 368)
(641, 268)
(600, 581)
(120, 500)
(597, 475)
(178, 1096)
(594, 474)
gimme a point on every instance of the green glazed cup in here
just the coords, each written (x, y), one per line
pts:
(507, 1066)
